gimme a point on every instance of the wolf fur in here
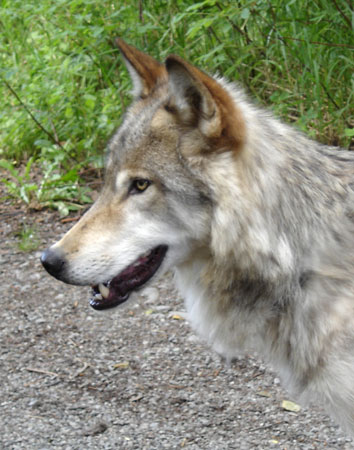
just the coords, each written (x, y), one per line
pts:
(258, 219)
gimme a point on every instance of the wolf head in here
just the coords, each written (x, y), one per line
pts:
(156, 204)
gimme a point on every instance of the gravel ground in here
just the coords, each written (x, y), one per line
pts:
(132, 378)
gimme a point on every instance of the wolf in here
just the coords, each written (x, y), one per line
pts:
(255, 219)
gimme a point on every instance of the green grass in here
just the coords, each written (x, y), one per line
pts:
(63, 88)
(27, 238)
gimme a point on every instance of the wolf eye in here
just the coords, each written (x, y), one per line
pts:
(139, 186)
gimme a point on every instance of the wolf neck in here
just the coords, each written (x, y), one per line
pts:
(272, 200)
(252, 219)
(268, 221)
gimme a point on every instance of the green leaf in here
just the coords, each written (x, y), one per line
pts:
(69, 112)
(90, 101)
(201, 5)
(245, 13)
(72, 176)
(61, 207)
(10, 167)
(43, 143)
(28, 167)
(24, 195)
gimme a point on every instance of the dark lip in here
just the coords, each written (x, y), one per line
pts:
(100, 305)
(132, 278)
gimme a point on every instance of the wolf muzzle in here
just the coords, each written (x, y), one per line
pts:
(54, 262)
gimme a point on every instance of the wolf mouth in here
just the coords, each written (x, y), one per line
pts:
(117, 290)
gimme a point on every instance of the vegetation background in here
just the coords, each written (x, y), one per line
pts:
(63, 89)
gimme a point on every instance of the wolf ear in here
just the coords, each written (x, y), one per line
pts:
(201, 101)
(146, 73)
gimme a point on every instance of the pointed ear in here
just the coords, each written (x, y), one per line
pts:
(200, 100)
(146, 73)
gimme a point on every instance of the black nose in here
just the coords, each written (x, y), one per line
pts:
(53, 262)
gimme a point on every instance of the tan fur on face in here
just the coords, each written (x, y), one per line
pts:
(161, 120)
(100, 216)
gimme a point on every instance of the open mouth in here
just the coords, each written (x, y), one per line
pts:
(117, 290)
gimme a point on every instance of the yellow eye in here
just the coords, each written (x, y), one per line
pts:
(140, 185)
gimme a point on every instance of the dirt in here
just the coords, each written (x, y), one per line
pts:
(131, 378)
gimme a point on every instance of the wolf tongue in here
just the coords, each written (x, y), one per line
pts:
(129, 279)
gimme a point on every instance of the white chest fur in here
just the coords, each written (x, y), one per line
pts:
(225, 326)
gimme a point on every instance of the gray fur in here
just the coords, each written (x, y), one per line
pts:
(260, 237)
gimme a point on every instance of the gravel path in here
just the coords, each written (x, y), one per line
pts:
(132, 378)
